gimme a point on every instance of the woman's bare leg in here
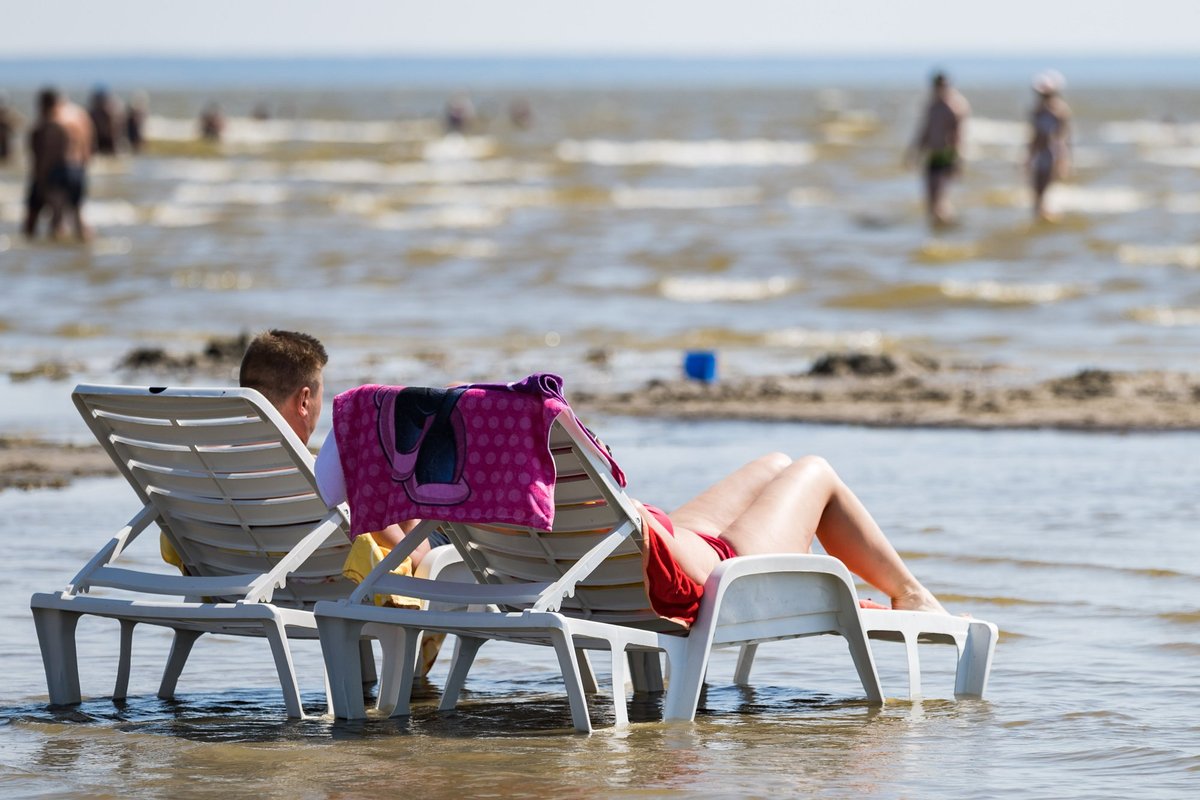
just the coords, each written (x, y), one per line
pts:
(715, 509)
(808, 499)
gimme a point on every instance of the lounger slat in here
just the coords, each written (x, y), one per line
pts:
(271, 511)
(224, 434)
(519, 543)
(169, 407)
(249, 458)
(238, 486)
(261, 538)
(573, 491)
(612, 571)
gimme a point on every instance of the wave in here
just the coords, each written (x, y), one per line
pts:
(447, 217)
(1149, 132)
(809, 196)
(374, 172)
(870, 341)
(685, 153)
(248, 194)
(1096, 200)
(996, 132)
(716, 290)
(1183, 255)
(988, 293)
(248, 131)
(1166, 317)
(636, 198)
(1186, 157)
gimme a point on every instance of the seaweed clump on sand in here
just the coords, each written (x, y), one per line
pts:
(220, 353)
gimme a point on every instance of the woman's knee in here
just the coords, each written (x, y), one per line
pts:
(774, 463)
(813, 468)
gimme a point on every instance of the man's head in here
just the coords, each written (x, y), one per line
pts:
(47, 101)
(940, 82)
(285, 367)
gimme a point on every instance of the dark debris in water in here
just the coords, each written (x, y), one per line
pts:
(219, 352)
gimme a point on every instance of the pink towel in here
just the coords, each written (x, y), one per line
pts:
(474, 453)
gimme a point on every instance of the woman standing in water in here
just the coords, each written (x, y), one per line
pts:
(1050, 147)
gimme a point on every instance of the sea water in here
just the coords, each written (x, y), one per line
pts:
(760, 215)
(1080, 547)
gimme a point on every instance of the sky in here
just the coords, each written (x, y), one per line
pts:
(45, 28)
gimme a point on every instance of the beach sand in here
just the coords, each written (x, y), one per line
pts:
(841, 389)
(881, 391)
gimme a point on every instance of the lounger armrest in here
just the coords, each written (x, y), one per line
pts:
(403, 548)
(552, 598)
(464, 593)
(112, 550)
(264, 586)
(155, 583)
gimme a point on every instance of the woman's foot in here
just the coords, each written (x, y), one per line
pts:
(918, 599)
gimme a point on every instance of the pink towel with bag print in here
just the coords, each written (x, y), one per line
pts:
(473, 453)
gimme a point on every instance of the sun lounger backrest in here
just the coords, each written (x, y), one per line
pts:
(588, 506)
(232, 485)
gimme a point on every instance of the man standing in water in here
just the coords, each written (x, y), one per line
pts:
(1050, 146)
(939, 138)
(60, 145)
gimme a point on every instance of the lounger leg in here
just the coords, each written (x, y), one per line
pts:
(741, 674)
(586, 674)
(619, 670)
(121, 689)
(565, 649)
(339, 648)
(56, 636)
(975, 660)
(400, 656)
(687, 678)
(464, 656)
(645, 670)
(181, 648)
(427, 651)
(277, 636)
(864, 662)
(914, 667)
(366, 657)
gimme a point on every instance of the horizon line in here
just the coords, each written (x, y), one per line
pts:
(599, 55)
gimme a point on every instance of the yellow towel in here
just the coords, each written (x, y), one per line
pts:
(168, 553)
(365, 554)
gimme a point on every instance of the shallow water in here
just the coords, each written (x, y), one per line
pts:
(1082, 548)
(772, 224)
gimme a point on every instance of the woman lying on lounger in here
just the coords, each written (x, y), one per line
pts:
(771, 505)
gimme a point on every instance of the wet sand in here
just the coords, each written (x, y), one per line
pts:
(880, 391)
(842, 389)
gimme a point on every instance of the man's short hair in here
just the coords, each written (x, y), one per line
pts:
(280, 363)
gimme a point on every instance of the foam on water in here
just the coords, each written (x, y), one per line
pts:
(251, 194)
(466, 217)
(678, 153)
(805, 338)
(1149, 133)
(1166, 317)
(254, 132)
(1184, 157)
(1161, 255)
(700, 197)
(717, 290)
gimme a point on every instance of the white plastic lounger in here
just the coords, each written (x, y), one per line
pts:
(224, 477)
(580, 587)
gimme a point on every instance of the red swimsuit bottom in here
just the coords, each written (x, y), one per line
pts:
(672, 593)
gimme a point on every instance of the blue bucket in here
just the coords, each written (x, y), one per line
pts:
(700, 365)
